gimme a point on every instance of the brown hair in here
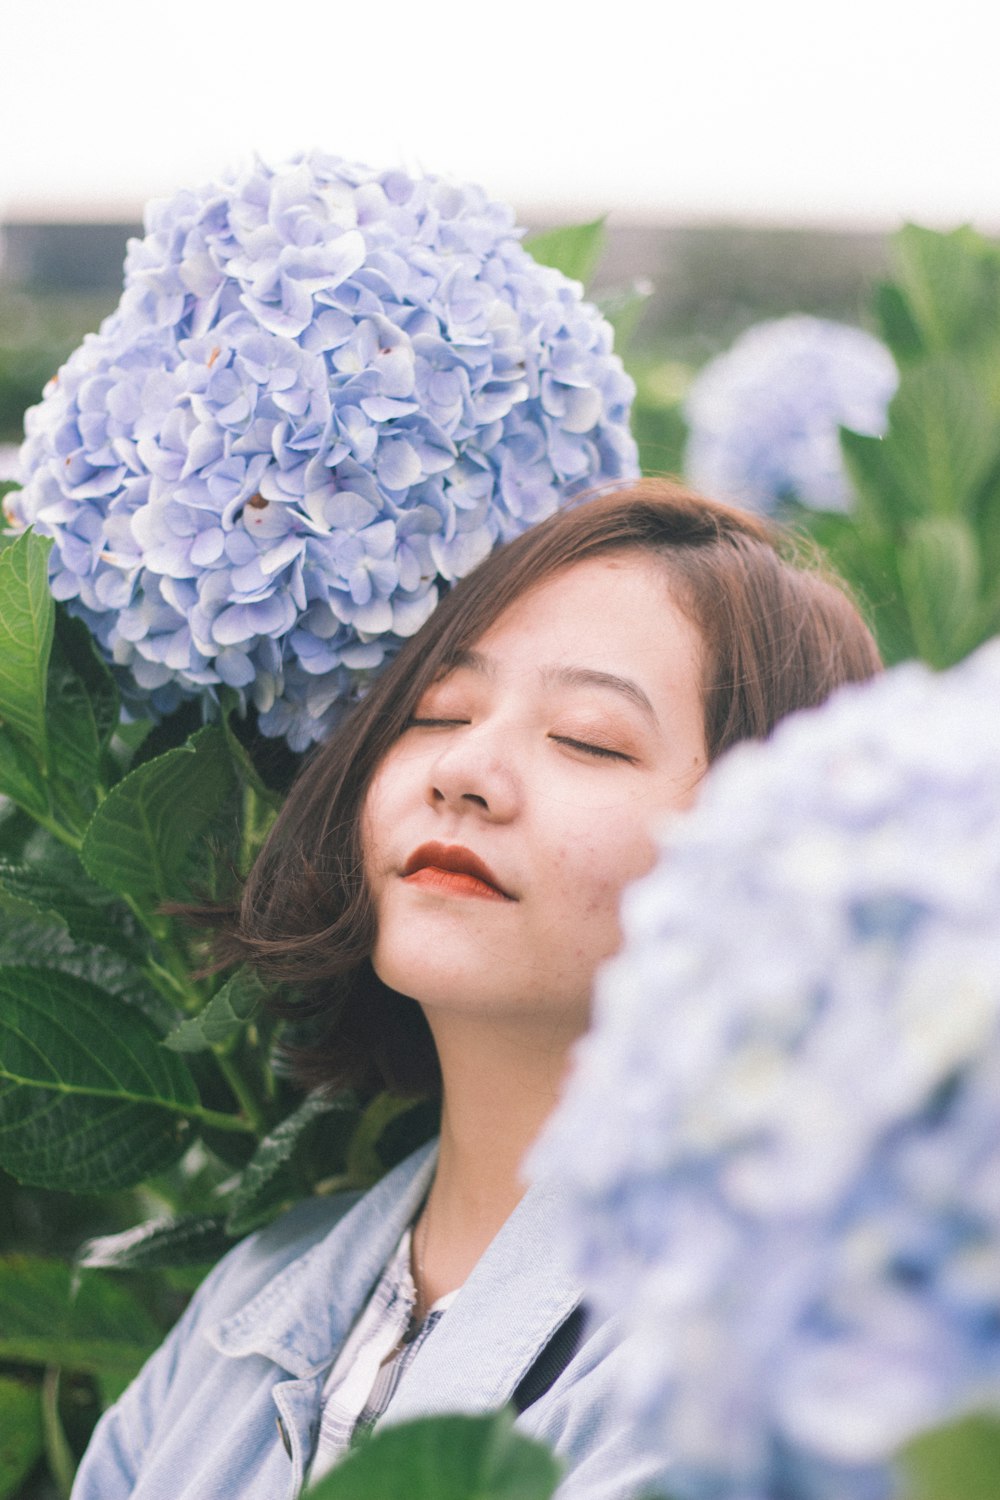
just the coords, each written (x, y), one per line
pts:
(779, 635)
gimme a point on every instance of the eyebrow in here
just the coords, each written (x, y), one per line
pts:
(558, 676)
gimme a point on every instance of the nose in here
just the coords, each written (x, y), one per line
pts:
(473, 774)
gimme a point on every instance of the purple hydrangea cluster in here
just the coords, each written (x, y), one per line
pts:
(326, 392)
(764, 418)
(781, 1143)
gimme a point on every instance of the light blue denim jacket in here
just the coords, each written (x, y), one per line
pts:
(228, 1408)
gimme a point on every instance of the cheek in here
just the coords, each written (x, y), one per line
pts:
(375, 820)
(594, 870)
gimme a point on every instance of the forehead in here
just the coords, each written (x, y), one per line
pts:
(604, 614)
(601, 590)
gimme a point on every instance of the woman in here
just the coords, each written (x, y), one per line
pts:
(441, 885)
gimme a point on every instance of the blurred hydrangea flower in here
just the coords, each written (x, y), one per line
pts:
(325, 391)
(764, 418)
(782, 1139)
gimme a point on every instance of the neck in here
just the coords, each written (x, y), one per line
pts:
(499, 1087)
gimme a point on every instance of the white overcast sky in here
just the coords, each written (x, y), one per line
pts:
(794, 111)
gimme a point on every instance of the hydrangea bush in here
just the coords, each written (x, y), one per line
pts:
(326, 392)
(782, 1141)
(764, 418)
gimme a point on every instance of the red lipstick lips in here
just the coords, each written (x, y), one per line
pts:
(453, 869)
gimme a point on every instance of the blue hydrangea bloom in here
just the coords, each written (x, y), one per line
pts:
(326, 393)
(782, 1139)
(764, 418)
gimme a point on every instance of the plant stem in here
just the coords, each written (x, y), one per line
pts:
(58, 831)
(57, 1449)
(247, 829)
(244, 1095)
(218, 1119)
(174, 970)
(255, 824)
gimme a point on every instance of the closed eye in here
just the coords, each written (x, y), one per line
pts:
(434, 723)
(600, 752)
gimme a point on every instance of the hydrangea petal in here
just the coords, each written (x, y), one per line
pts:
(322, 382)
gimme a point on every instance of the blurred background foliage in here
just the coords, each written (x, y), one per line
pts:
(920, 544)
(703, 285)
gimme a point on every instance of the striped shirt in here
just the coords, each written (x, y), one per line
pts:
(379, 1350)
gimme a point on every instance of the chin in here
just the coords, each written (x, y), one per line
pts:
(434, 972)
(437, 985)
(485, 989)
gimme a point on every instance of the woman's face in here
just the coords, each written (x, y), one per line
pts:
(501, 827)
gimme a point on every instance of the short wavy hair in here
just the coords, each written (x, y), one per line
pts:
(780, 634)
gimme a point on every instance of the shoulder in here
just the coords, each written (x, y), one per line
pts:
(261, 1297)
(256, 1260)
(579, 1417)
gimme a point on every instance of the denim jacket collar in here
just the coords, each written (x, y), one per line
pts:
(512, 1303)
(300, 1318)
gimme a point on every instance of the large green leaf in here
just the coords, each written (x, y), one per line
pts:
(260, 1182)
(82, 713)
(444, 1458)
(897, 323)
(78, 654)
(20, 897)
(53, 1314)
(21, 1435)
(158, 1244)
(881, 497)
(575, 250)
(42, 942)
(960, 1462)
(223, 1018)
(944, 437)
(27, 617)
(951, 285)
(89, 1099)
(67, 898)
(140, 840)
(21, 777)
(940, 573)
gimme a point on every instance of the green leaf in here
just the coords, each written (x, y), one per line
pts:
(140, 840)
(897, 324)
(865, 555)
(27, 617)
(84, 909)
(78, 654)
(247, 771)
(445, 1458)
(82, 714)
(21, 1434)
(940, 573)
(364, 1164)
(21, 778)
(943, 438)
(158, 1245)
(112, 1385)
(43, 942)
(575, 250)
(623, 306)
(959, 1462)
(254, 1196)
(89, 1099)
(21, 898)
(223, 1018)
(881, 496)
(51, 1314)
(950, 282)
